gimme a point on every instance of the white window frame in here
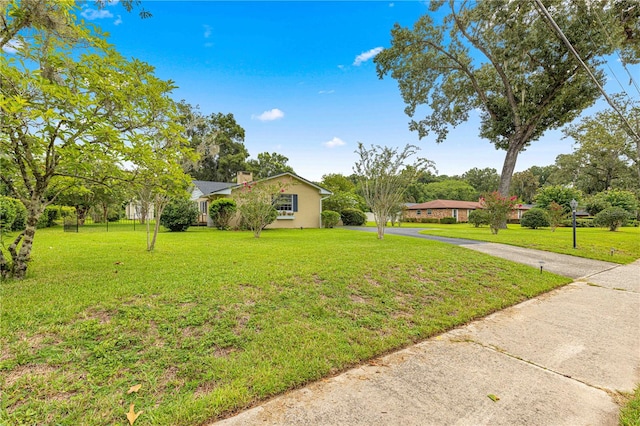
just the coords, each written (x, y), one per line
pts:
(285, 206)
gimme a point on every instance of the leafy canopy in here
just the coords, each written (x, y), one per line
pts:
(502, 59)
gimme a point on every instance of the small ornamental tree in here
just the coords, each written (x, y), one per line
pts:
(497, 208)
(611, 218)
(221, 212)
(478, 218)
(256, 204)
(330, 218)
(384, 175)
(535, 218)
(556, 215)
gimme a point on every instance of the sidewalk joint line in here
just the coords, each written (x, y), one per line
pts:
(510, 355)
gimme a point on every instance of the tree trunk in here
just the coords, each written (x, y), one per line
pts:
(21, 259)
(81, 212)
(507, 172)
(507, 169)
(380, 223)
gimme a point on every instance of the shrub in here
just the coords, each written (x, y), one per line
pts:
(49, 216)
(478, 218)
(221, 211)
(20, 222)
(429, 220)
(535, 218)
(353, 217)
(580, 223)
(7, 213)
(448, 220)
(179, 215)
(330, 218)
(613, 218)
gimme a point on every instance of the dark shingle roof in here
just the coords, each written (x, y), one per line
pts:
(208, 187)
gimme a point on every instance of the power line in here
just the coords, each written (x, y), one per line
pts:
(573, 51)
(622, 62)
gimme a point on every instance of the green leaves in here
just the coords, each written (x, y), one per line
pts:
(501, 58)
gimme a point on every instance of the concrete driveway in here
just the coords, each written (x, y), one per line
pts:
(559, 359)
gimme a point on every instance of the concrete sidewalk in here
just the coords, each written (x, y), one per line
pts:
(558, 359)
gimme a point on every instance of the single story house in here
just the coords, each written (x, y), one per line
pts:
(299, 206)
(437, 209)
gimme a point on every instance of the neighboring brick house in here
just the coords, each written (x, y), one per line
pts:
(519, 210)
(437, 209)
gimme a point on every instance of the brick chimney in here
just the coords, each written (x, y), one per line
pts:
(243, 177)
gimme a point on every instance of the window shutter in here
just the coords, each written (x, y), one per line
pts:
(295, 202)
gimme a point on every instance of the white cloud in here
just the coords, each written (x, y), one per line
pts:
(365, 56)
(334, 142)
(326, 92)
(12, 46)
(207, 31)
(391, 4)
(92, 14)
(118, 20)
(272, 114)
(341, 67)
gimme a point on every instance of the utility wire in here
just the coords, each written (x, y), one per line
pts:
(573, 51)
(622, 62)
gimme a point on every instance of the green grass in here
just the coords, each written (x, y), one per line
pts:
(630, 413)
(592, 243)
(212, 321)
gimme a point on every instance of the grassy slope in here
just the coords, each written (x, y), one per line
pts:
(214, 321)
(592, 243)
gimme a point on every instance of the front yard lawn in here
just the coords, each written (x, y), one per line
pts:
(212, 322)
(592, 243)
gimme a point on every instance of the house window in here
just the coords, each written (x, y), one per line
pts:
(418, 212)
(287, 203)
(454, 213)
(204, 207)
(428, 212)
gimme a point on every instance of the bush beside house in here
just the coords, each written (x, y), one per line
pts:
(179, 215)
(353, 217)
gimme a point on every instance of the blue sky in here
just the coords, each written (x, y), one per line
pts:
(299, 78)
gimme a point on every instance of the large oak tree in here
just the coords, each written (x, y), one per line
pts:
(502, 59)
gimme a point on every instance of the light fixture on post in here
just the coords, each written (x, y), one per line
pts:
(574, 206)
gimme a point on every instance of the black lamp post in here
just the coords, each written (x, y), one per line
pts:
(574, 206)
